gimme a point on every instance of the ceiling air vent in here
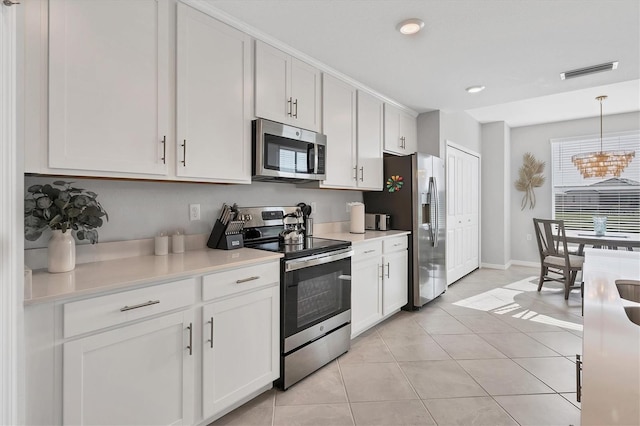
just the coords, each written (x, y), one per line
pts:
(589, 70)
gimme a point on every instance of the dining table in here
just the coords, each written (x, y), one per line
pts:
(611, 240)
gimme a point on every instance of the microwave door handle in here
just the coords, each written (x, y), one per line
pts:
(311, 158)
(315, 158)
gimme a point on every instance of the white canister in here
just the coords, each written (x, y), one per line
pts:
(177, 243)
(161, 245)
(357, 218)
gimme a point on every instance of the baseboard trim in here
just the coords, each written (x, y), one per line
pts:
(495, 265)
(525, 263)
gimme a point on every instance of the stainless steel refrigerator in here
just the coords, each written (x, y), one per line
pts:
(414, 196)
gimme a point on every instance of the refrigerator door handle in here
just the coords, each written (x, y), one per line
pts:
(434, 217)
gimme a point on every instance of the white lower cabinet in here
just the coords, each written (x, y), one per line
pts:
(240, 348)
(155, 355)
(133, 375)
(379, 280)
(366, 287)
(395, 267)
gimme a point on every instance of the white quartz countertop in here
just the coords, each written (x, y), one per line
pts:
(97, 277)
(611, 342)
(361, 238)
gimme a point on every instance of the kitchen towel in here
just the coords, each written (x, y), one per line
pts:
(357, 218)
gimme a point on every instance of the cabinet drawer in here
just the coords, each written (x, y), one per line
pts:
(394, 244)
(366, 251)
(105, 311)
(239, 280)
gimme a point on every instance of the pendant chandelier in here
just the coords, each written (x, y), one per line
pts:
(602, 163)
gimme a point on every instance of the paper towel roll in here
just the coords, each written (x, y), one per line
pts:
(357, 218)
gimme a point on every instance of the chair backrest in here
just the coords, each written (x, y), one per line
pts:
(552, 240)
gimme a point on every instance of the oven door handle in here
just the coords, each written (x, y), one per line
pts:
(307, 262)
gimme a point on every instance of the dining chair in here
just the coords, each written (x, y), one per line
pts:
(555, 257)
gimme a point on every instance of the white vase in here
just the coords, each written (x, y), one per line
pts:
(62, 252)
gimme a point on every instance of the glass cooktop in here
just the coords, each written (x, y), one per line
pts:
(310, 246)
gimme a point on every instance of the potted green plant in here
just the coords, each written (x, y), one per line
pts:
(63, 210)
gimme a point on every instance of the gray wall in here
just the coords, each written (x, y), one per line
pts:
(460, 128)
(139, 209)
(429, 133)
(535, 139)
(496, 196)
(437, 127)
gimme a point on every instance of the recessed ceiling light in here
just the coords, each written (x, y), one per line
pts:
(410, 26)
(474, 89)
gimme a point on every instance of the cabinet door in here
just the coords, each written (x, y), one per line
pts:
(240, 348)
(409, 131)
(133, 375)
(370, 165)
(395, 287)
(272, 84)
(339, 125)
(108, 85)
(366, 294)
(392, 142)
(213, 101)
(305, 91)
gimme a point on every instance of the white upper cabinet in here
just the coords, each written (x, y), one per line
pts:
(108, 85)
(370, 164)
(339, 125)
(352, 122)
(287, 90)
(213, 99)
(400, 131)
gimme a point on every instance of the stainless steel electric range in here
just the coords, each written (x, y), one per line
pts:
(315, 292)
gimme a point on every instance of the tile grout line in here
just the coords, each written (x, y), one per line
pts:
(344, 388)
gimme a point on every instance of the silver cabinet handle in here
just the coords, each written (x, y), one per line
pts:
(362, 174)
(355, 173)
(9, 2)
(295, 104)
(578, 379)
(368, 251)
(211, 338)
(388, 270)
(190, 347)
(244, 280)
(382, 271)
(164, 149)
(141, 305)
(289, 106)
(184, 153)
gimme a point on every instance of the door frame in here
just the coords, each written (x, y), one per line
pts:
(11, 225)
(451, 144)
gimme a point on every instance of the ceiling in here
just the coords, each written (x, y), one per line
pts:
(516, 48)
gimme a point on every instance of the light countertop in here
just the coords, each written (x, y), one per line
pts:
(361, 238)
(97, 277)
(611, 342)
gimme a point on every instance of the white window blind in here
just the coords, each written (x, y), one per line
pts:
(576, 199)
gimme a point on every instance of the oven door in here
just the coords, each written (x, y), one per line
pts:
(316, 288)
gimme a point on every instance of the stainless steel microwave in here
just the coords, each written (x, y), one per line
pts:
(286, 153)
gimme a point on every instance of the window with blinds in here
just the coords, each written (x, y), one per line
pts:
(576, 199)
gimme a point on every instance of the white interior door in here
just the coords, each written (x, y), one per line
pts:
(462, 213)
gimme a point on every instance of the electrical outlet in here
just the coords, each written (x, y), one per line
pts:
(528, 237)
(348, 207)
(313, 207)
(194, 211)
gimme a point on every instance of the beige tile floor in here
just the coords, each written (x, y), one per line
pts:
(490, 351)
